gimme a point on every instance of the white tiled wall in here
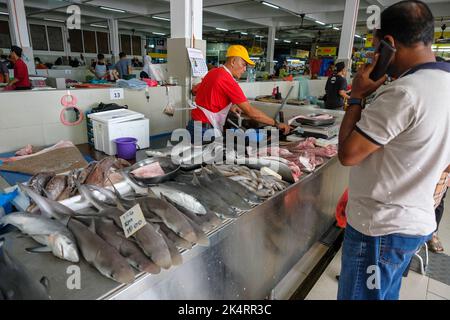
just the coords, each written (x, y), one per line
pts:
(33, 116)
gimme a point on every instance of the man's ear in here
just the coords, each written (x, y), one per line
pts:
(390, 39)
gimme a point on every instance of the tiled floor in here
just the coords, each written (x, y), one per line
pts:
(414, 287)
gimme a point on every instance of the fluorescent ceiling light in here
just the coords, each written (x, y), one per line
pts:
(336, 28)
(320, 22)
(161, 18)
(159, 33)
(98, 25)
(244, 33)
(358, 36)
(259, 36)
(4, 13)
(221, 29)
(54, 20)
(276, 39)
(113, 9)
(255, 58)
(270, 5)
(287, 41)
(296, 43)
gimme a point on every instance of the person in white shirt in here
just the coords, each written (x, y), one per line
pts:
(398, 147)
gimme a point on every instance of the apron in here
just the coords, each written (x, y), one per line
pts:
(217, 119)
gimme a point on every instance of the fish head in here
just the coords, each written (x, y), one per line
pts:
(64, 247)
(122, 273)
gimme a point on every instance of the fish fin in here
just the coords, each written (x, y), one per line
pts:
(92, 225)
(155, 220)
(205, 175)
(151, 193)
(45, 283)
(195, 180)
(46, 193)
(39, 249)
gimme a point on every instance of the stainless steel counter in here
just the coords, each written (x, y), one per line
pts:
(246, 259)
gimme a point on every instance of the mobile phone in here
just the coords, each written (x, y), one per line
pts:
(386, 52)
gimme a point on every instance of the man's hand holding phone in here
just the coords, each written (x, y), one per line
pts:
(362, 85)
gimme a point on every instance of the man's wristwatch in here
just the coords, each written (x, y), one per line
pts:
(356, 101)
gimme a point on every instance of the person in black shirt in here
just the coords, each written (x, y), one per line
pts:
(336, 88)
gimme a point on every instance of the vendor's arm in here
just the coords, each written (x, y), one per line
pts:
(13, 82)
(261, 117)
(355, 144)
(344, 94)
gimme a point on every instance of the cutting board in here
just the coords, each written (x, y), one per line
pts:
(58, 160)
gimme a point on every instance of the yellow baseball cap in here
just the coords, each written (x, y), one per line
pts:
(239, 51)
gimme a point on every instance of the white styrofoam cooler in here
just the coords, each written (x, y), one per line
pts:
(110, 125)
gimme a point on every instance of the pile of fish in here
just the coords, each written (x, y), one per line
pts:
(97, 235)
(178, 215)
(262, 185)
(61, 187)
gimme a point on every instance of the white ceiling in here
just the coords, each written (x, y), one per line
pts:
(235, 15)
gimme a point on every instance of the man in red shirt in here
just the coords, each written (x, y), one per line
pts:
(219, 93)
(21, 80)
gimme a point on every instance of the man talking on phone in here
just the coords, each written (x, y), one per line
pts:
(398, 148)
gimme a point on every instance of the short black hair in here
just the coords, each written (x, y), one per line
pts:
(340, 66)
(100, 56)
(122, 55)
(17, 50)
(36, 59)
(408, 22)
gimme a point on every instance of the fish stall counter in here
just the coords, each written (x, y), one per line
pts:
(246, 258)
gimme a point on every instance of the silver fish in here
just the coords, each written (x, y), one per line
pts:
(172, 218)
(109, 232)
(175, 255)
(150, 241)
(50, 233)
(94, 249)
(16, 282)
(176, 239)
(100, 254)
(183, 199)
(207, 221)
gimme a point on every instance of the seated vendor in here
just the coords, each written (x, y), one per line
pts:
(21, 80)
(99, 67)
(219, 91)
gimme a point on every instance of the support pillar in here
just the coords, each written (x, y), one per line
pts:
(113, 26)
(270, 50)
(18, 27)
(348, 32)
(186, 18)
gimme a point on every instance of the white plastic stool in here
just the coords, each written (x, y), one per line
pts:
(423, 266)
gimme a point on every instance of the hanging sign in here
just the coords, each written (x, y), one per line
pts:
(326, 51)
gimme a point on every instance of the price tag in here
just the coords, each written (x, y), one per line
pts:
(132, 220)
(116, 93)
